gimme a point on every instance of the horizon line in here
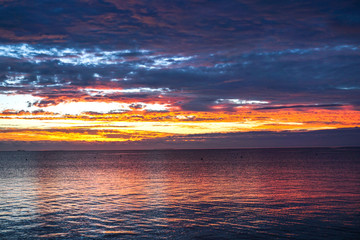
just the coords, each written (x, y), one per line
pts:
(176, 149)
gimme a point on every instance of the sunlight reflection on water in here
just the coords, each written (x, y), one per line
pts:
(184, 194)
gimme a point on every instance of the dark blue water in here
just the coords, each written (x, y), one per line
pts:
(181, 194)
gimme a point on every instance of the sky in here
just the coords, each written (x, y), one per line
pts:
(138, 74)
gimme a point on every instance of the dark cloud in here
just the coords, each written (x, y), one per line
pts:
(302, 106)
(195, 25)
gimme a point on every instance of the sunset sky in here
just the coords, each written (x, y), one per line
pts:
(139, 74)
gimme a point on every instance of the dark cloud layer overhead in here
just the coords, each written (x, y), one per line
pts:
(197, 25)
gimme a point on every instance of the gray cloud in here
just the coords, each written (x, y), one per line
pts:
(323, 75)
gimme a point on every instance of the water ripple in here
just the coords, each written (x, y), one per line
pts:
(277, 194)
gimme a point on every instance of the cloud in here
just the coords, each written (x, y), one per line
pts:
(192, 25)
(281, 77)
(213, 57)
(302, 106)
(235, 101)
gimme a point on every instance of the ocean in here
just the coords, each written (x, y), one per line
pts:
(304, 193)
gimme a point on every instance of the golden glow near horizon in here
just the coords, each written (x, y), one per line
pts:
(137, 125)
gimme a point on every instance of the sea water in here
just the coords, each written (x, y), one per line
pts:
(303, 193)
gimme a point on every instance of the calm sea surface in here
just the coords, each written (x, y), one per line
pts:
(181, 194)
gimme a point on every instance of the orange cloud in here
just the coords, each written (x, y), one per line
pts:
(141, 125)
